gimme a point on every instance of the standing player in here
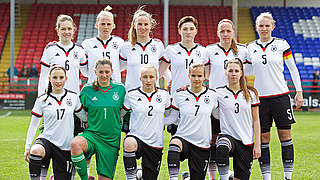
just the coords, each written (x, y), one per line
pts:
(104, 46)
(57, 107)
(141, 49)
(219, 54)
(182, 54)
(268, 54)
(193, 136)
(64, 53)
(239, 121)
(103, 100)
(145, 139)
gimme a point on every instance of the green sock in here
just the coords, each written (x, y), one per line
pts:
(79, 162)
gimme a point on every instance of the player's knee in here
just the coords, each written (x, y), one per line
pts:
(222, 151)
(284, 134)
(76, 145)
(265, 137)
(174, 155)
(130, 144)
(38, 150)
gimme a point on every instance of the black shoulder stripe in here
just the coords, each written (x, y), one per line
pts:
(133, 89)
(79, 45)
(162, 89)
(243, 45)
(212, 89)
(70, 91)
(49, 45)
(221, 87)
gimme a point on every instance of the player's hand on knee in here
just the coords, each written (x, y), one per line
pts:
(256, 151)
(26, 155)
(172, 129)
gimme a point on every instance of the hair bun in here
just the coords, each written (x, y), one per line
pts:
(108, 8)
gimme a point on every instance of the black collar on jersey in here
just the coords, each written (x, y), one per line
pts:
(55, 98)
(66, 52)
(264, 48)
(101, 41)
(225, 52)
(149, 98)
(197, 97)
(234, 94)
(189, 52)
(144, 47)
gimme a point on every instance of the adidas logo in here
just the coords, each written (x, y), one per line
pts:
(95, 46)
(216, 54)
(57, 54)
(139, 99)
(254, 51)
(187, 99)
(49, 104)
(94, 99)
(133, 49)
(179, 52)
(226, 97)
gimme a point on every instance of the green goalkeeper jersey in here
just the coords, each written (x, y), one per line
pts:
(103, 107)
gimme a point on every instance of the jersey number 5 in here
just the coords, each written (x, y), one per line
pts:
(264, 59)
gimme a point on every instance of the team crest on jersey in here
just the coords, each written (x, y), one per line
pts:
(69, 103)
(273, 48)
(198, 54)
(159, 99)
(76, 55)
(206, 100)
(153, 48)
(115, 45)
(115, 96)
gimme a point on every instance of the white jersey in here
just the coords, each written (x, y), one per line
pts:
(267, 64)
(96, 49)
(235, 114)
(218, 58)
(195, 110)
(147, 114)
(58, 117)
(72, 59)
(180, 59)
(137, 56)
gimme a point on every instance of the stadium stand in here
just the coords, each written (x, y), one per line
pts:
(4, 26)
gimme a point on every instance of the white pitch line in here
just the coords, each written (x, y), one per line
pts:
(11, 140)
(5, 115)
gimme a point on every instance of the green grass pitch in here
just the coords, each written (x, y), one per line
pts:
(306, 135)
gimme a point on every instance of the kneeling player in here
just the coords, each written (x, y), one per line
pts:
(57, 107)
(193, 136)
(239, 120)
(148, 105)
(103, 99)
